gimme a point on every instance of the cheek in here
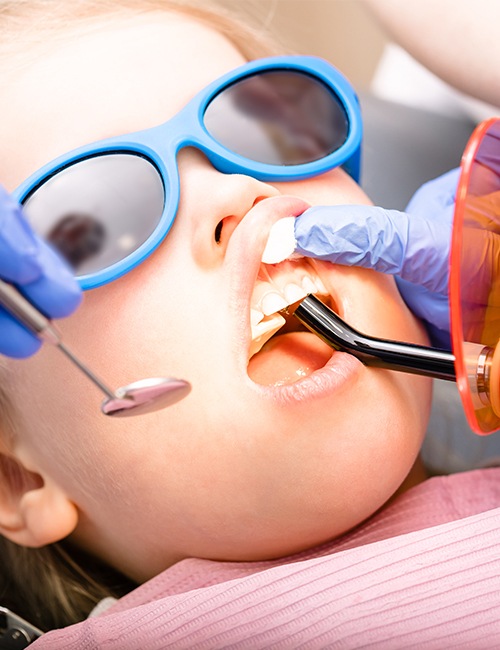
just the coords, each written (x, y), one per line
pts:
(164, 319)
(135, 327)
(375, 306)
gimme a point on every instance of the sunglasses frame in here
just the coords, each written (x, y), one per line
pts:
(161, 144)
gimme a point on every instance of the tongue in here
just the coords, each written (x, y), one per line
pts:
(287, 358)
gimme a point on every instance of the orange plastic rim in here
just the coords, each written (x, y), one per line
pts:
(475, 269)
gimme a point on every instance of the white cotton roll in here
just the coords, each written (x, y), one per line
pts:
(281, 243)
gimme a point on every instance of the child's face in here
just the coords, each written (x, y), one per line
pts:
(238, 469)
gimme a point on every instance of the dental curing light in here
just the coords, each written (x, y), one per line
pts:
(143, 396)
(372, 351)
(474, 296)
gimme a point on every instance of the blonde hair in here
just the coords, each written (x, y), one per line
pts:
(59, 585)
(53, 19)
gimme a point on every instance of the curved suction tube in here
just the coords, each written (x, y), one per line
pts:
(482, 363)
(382, 353)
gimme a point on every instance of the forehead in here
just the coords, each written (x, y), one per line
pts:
(119, 76)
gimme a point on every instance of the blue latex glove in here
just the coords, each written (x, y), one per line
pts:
(37, 271)
(413, 245)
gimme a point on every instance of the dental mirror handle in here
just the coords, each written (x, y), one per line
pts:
(381, 353)
(23, 311)
(139, 397)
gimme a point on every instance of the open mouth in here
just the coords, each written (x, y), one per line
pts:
(282, 350)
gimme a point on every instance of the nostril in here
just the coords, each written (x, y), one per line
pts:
(226, 226)
(218, 232)
(224, 229)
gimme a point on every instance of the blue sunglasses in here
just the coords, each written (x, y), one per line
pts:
(108, 205)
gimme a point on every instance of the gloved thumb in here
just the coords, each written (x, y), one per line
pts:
(389, 241)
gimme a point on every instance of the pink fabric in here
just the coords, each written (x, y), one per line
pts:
(424, 572)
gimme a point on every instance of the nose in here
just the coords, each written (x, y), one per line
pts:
(213, 203)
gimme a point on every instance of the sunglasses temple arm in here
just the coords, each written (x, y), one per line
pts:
(381, 353)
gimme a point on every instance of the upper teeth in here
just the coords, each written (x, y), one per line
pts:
(262, 331)
(276, 288)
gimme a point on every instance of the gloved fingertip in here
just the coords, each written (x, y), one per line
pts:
(19, 245)
(73, 297)
(439, 338)
(24, 351)
(16, 341)
(56, 293)
(435, 195)
(353, 235)
(4, 195)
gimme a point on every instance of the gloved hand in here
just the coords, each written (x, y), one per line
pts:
(38, 272)
(413, 245)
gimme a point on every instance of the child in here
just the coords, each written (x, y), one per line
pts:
(276, 450)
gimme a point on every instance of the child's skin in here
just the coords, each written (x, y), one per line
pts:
(237, 470)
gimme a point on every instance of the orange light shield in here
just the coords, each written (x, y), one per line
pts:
(475, 279)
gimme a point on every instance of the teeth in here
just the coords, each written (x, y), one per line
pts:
(277, 287)
(320, 287)
(263, 331)
(309, 285)
(294, 293)
(255, 316)
(273, 302)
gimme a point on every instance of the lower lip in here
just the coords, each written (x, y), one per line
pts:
(340, 370)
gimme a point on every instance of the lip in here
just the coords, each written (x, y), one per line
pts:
(242, 262)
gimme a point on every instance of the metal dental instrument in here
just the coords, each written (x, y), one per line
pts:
(481, 363)
(143, 396)
(406, 357)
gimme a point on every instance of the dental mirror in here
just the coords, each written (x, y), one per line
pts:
(145, 396)
(137, 398)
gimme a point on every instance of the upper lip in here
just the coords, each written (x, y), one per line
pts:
(243, 260)
(247, 243)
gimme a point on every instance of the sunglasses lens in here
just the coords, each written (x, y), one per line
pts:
(98, 210)
(281, 117)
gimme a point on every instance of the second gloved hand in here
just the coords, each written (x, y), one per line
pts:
(37, 271)
(413, 245)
